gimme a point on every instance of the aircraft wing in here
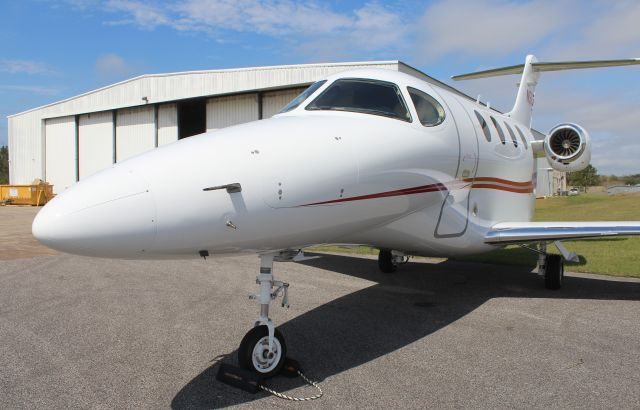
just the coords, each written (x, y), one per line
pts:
(522, 232)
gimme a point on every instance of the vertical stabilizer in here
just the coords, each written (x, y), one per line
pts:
(523, 107)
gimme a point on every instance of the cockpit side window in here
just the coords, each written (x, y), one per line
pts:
(484, 126)
(302, 96)
(429, 110)
(511, 133)
(363, 96)
(499, 129)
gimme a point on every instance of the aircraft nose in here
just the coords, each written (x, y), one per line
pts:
(111, 214)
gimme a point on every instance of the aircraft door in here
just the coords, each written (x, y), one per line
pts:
(454, 214)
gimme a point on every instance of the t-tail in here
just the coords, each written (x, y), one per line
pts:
(530, 70)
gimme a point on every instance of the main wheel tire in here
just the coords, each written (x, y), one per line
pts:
(554, 272)
(385, 262)
(253, 353)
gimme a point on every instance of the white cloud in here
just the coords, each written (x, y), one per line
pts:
(144, 15)
(113, 66)
(23, 67)
(608, 29)
(275, 18)
(308, 27)
(489, 27)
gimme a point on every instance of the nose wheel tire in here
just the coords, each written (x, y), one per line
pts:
(554, 272)
(254, 354)
(386, 262)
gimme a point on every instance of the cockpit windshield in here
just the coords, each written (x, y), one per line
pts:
(302, 96)
(363, 96)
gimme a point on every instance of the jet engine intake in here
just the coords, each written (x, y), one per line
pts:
(568, 147)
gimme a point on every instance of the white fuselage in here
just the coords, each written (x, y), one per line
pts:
(307, 177)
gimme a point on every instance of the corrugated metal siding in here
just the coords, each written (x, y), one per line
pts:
(60, 134)
(135, 132)
(167, 124)
(95, 140)
(226, 111)
(549, 181)
(272, 102)
(26, 158)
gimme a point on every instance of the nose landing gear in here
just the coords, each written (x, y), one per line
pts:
(263, 348)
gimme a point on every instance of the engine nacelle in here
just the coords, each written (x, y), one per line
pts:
(568, 148)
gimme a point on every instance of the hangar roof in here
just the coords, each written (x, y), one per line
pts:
(166, 87)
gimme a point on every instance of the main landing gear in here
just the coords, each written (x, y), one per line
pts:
(551, 267)
(388, 261)
(263, 348)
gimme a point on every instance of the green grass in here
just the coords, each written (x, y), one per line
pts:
(615, 256)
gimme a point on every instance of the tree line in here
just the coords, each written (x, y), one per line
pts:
(589, 177)
(4, 165)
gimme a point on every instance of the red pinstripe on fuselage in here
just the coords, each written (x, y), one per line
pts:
(476, 183)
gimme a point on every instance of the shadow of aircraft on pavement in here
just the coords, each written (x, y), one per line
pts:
(402, 308)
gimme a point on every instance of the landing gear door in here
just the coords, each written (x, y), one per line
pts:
(454, 214)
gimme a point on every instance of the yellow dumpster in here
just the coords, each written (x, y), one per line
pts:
(39, 193)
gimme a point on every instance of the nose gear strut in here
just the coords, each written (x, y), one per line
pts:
(263, 348)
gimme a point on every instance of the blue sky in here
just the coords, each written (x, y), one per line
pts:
(50, 50)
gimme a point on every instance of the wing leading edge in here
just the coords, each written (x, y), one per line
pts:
(522, 232)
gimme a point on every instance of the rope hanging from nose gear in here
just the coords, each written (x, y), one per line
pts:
(284, 396)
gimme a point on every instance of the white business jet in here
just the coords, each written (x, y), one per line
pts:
(372, 157)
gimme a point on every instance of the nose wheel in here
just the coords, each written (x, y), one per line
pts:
(263, 348)
(254, 353)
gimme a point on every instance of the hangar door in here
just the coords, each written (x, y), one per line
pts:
(167, 124)
(135, 131)
(226, 111)
(60, 152)
(95, 142)
(274, 101)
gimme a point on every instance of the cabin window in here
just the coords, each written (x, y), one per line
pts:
(513, 136)
(363, 96)
(302, 96)
(483, 124)
(430, 112)
(498, 128)
(522, 137)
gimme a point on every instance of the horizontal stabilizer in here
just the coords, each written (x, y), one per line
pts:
(542, 66)
(522, 232)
